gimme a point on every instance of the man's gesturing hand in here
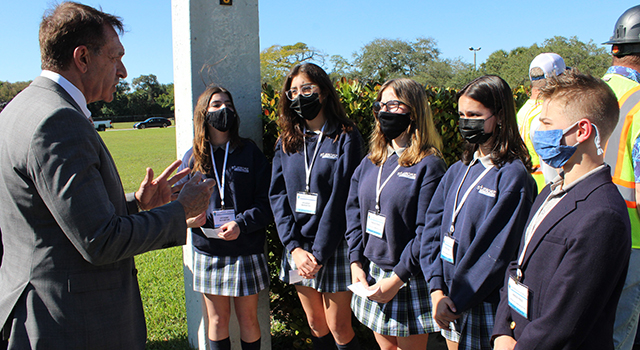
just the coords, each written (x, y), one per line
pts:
(160, 191)
(195, 195)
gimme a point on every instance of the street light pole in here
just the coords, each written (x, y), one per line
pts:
(474, 56)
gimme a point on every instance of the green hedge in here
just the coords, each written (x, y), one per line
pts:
(357, 98)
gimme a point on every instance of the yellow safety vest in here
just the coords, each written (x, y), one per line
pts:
(618, 152)
(530, 110)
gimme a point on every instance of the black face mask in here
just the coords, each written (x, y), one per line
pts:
(393, 124)
(307, 107)
(472, 130)
(222, 119)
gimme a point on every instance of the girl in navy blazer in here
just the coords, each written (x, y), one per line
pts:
(315, 155)
(389, 194)
(477, 215)
(229, 260)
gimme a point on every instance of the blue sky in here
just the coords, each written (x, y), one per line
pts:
(332, 26)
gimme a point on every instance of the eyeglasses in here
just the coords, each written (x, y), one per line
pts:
(306, 91)
(392, 106)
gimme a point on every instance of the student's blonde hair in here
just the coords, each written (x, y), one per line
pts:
(424, 140)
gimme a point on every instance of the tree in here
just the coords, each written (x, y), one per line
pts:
(148, 98)
(384, 59)
(341, 68)
(166, 100)
(513, 66)
(118, 107)
(148, 84)
(276, 61)
(461, 73)
(586, 57)
(9, 90)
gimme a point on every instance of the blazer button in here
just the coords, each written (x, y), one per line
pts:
(512, 325)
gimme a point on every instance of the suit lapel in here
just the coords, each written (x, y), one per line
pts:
(566, 205)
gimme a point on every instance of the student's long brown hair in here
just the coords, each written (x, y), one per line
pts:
(201, 158)
(494, 93)
(291, 125)
(424, 140)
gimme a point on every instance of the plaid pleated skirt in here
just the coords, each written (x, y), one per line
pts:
(334, 276)
(474, 328)
(408, 313)
(233, 276)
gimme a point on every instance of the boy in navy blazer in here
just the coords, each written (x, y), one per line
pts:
(562, 291)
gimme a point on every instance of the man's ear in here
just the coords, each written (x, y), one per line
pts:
(585, 130)
(81, 58)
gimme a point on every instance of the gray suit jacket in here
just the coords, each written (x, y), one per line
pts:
(67, 278)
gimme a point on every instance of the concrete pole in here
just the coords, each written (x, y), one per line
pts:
(216, 42)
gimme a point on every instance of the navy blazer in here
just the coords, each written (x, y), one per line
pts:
(575, 267)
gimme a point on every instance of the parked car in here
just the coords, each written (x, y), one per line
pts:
(102, 125)
(158, 122)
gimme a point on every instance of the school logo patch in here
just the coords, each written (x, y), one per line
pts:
(240, 169)
(486, 191)
(329, 156)
(407, 175)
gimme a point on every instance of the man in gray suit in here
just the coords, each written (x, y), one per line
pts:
(67, 277)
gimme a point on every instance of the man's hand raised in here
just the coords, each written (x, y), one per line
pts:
(195, 195)
(161, 190)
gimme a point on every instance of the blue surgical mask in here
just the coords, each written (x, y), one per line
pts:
(547, 144)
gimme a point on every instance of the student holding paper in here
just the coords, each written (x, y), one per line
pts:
(477, 215)
(229, 260)
(390, 190)
(316, 153)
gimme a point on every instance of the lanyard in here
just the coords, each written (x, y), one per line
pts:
(308, 167)
(215, 171)
(379, 188)
(457, 207)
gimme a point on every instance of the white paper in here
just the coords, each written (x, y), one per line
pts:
(360, 290)
(211, 232)
(294, 277)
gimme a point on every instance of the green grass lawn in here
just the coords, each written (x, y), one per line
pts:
(124, 125)
(159, 272)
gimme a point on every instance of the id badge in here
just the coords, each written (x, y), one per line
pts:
(221, 217)
(448, 245)
(306, 203)
(518, 296)
(375, 224)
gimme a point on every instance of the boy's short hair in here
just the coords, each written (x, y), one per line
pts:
(584, 96)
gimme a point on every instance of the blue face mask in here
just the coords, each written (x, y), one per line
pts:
(547, 145)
